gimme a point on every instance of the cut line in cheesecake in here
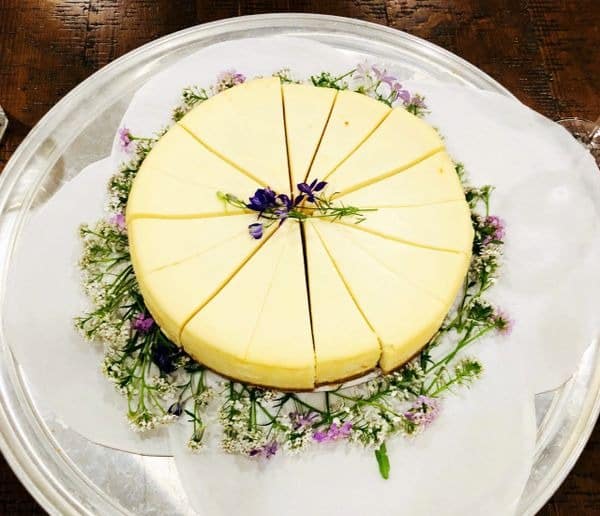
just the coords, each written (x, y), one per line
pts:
(353, 118)
(306, 111)
(244, 125)
(443, 227)
(398, 142)
(241, 170)
(199, 307)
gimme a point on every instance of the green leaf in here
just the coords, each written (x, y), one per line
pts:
(383, 461)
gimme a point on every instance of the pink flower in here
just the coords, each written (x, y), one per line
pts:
(383, 77)
(401, 93)
(504, 324)
(496, 224)
(363, 71)
(125, 139)
(423, 411)
(228, 79)
(119, 220)
(334, 432)
(302, 419)
(267, 451)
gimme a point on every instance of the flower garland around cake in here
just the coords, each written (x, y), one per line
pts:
(161, 383)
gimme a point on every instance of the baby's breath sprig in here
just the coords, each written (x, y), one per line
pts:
(286, 77)
(194, 95)
(119, 184)
(328, 80)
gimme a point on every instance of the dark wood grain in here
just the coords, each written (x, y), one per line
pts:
(544, 51)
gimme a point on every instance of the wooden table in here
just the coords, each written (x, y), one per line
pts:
(544, 51)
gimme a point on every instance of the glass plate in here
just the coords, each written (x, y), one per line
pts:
(69, 475)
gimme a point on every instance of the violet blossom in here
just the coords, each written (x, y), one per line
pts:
(256, 230)
(229, 78)
(119, 220)
(125, 140)
(383, 77)
(496, 226)
(262, 200)
(302, 420)
(416, 101)
(142, 323)
(423, 411)
(267, 450)
(400, 93)
(310, 189)
(334, 432)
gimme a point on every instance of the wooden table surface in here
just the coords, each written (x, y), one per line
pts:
(544, 51)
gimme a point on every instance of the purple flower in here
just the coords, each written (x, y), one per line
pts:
(417, 101)
(267, 450)
(125, 139)
(230, 78)
(119, 220)
(165, 357)
(423, 411)
(503, 323)
(301, 420)
(256, 230)
(382, 76)
(334, 432)
(262, 200)
(176, 409)
(142, 323)
(310, 189)
(401, 93)
(363, 71)
(497, 228)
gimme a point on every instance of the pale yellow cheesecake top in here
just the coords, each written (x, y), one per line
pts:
(311, 302)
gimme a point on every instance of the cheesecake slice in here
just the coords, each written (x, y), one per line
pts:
(177, 291)
(439, 273)
(245, 126)
(345, 345)
(307, 111)
(446, 226)
(257, 329)
(180, 177)
(400, 141)
(403, 315)
(431, 181)
(353, 118)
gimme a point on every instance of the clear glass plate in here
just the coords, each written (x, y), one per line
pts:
(69, 475)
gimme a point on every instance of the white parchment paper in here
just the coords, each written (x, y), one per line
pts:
(477, 456)
(44, 294)
(475, 459)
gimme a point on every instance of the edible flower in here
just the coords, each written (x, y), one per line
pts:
(119, 220)
(334, 432)
(503, 323)
(228, 79)
(262, 200)
(423, 411)
(267, 450)
(302, 419)
(125, 139)
(256, 230)
(311, 189)
(495, 229)
(142, 323)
